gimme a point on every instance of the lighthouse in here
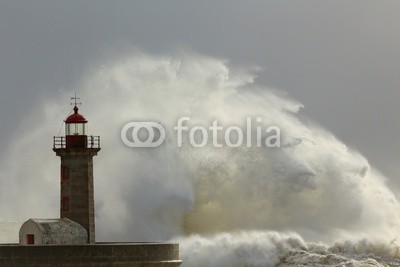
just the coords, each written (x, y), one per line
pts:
(70, 239)
(76, 150)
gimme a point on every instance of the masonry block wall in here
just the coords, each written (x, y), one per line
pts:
(77, 195)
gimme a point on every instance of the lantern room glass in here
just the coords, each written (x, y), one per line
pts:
(75, 129)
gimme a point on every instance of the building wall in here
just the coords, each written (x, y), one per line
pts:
(77, 195)
(78, 190)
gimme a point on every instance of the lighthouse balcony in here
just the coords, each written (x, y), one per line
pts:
(76, 141)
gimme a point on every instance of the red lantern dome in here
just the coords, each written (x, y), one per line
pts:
(76, 117)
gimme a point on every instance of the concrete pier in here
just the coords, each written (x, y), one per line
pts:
(99, 254)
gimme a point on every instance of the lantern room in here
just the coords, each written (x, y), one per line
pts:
(75, 130)
(75, 124)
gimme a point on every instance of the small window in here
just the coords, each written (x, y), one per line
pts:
(65, 204)
(30, 239)
(64, 173)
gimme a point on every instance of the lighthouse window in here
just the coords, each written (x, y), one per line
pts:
(65, 204)
(75, 129)
(64, 173)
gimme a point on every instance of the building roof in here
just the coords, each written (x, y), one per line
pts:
(76, 117)
(58, 231)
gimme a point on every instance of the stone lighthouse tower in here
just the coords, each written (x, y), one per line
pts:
(76, 150)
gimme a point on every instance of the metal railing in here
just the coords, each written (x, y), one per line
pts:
(91, 142)
(59, 142)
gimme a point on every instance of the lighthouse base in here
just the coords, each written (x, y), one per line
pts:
(99, 254)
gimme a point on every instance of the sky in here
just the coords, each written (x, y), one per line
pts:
(338, 58)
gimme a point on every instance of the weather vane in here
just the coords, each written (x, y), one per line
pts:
(75, 99)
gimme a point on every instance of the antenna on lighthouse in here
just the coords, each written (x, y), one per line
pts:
(75, 99)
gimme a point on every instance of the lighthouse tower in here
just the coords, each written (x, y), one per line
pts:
(76, 150)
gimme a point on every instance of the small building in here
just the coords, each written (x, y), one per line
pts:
(52, 232)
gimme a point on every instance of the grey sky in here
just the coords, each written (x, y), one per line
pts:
(339, 58)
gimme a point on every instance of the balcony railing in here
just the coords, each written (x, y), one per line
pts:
(64, 142)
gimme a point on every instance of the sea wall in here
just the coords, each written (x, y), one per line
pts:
(99, 254)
